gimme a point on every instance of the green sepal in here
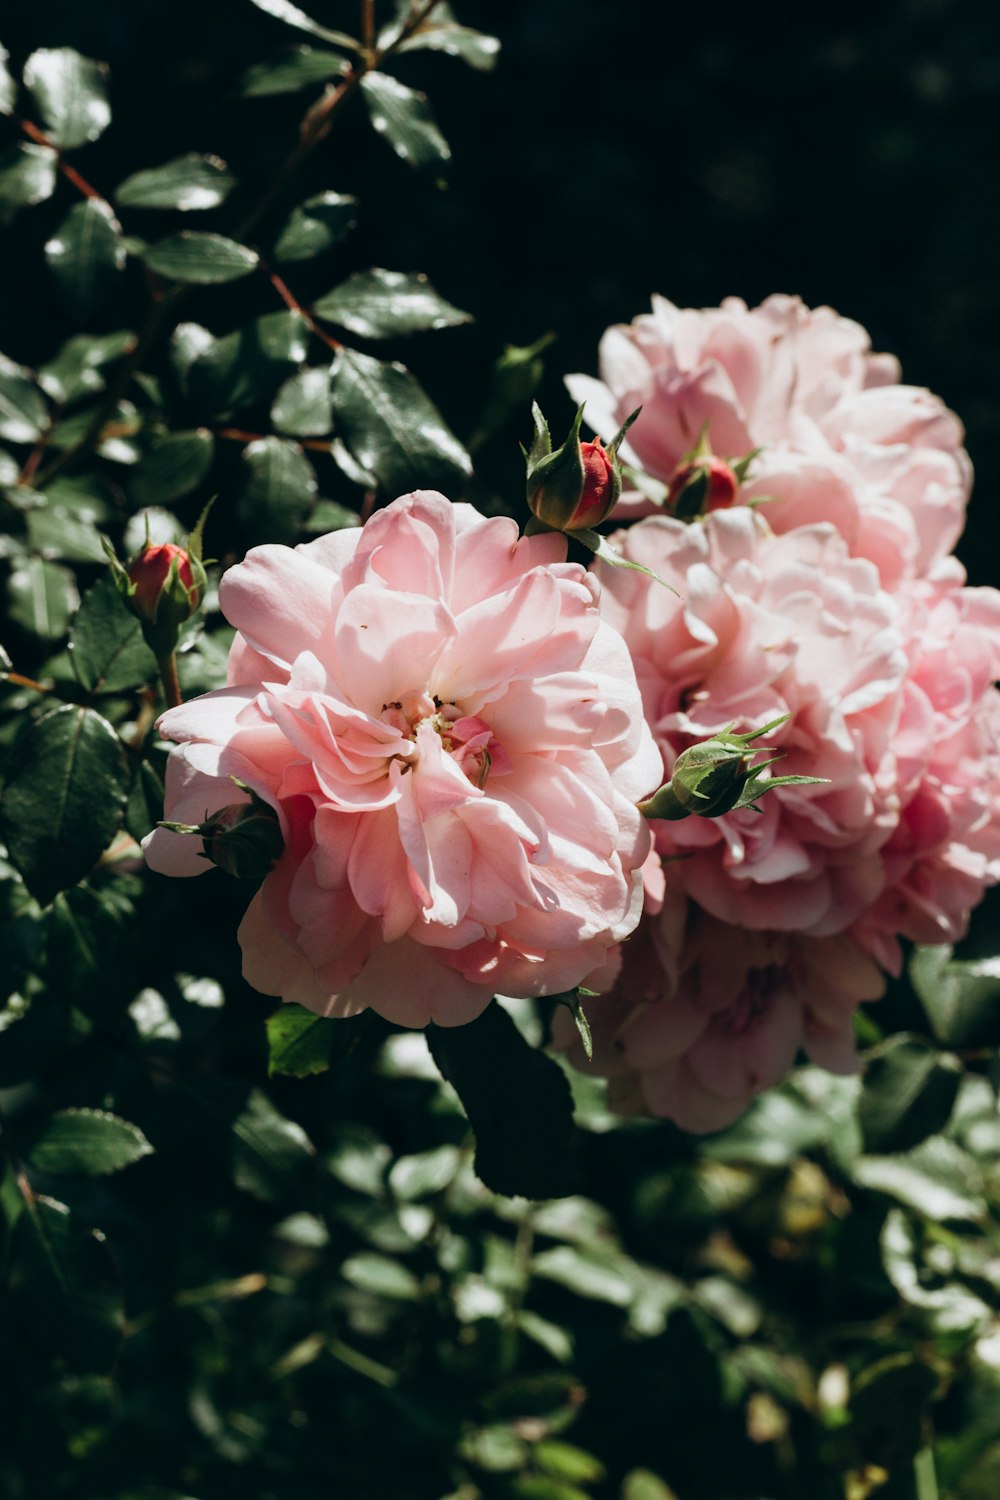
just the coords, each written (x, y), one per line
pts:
(603, 549)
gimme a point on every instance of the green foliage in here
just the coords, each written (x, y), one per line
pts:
(255, 1252)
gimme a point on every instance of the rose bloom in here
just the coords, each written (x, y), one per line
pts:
(779, 922)
(454, 743)
(843, 440)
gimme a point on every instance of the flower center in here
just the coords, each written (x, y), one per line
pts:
(467, 739)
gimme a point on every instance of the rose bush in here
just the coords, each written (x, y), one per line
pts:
(454, 742)
(793, 908)
(843, 441)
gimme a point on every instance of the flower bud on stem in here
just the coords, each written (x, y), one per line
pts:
(715, 777)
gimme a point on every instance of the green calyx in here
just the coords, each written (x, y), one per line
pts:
(715, 777)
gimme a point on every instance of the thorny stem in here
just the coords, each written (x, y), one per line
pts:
(314, 128)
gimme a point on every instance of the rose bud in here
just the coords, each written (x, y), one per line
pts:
(574, 487)
(151, 570)
(244, 838)
(163, 586)
(715, 777)
(701, 484)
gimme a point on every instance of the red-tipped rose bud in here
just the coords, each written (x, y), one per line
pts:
(575, 486)
(600, 491)
(701, 484)
(150, 570)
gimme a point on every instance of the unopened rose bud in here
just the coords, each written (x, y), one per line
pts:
(576, 486)
(701, 484)
(715, 777)
(151, 571)
(244, 839)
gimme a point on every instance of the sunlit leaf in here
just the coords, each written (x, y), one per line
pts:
(316, 225)
(87, 1143)
(204, 259)
(106, 645)
(403, 117)
(293, 69)
(277, 491)
(86, 254)
(392, 427)
(23, 412)
(193, 181)
(71, 94)
(27, 176)
(377, 304)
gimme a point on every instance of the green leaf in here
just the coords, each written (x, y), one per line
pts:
(87, 932)
(199, 258)
(23, 412)
(329, 515)
(63, 798)
(642, 1484)
(952, 1306)
(87, 1143)
(588, 1270)
(961, 997)
(187, 343)
(144, 808)
(937, 1179)
(174, 466)
(441, 33)
(54, 532)
(299, 1041)
(106, 644)
(193, 181)
(71, 93)
(517, 1101)
(377, 304)
(64, 1288)
(27, 176)
(247, 365)
(424, 1174)
(303, 407)
(402, 117)
(380, 1276)
(293, 69)
(86, 254)
(392, 427)
(278, 490)
(41, 598)
(316, 225)
(77, 367)
(908, 1093)
(284, 10)
(8, 88)
(271, 1150)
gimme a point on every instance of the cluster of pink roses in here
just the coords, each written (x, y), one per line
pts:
(454, 726)
(833, 600)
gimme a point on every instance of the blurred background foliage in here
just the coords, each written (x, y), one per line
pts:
(228, 1272)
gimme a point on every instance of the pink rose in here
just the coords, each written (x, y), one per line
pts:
(803, 385)
(453, 741)
(705, 1016)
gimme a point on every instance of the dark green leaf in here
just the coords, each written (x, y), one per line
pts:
(174, 466)
(27, 176)
(440, 33)
(64, 1287)
(247, 365)
(106, 644)
(403, 117)
(71, 93)
(271, 1150)
(328, 515)
(392, 427)
(908, 1093)
(517, 1101)
(41, 597)
(316, 225)
(300, 1042)
(23, 412)
(77, 367)
(187, 343)
(87, 931)
(8, 88)
(144, 808)
(284, 10)
(278, 490)
(63, 798)
(295, 68)
(642, 1484)
(87, 1143)
(54, 532)
(961, 997)
(303, 407)
(204, 259)
(937, 1179)
(187, 182)
(31, 1034)
(380, 1276)
(86, 254)
(377, 304)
